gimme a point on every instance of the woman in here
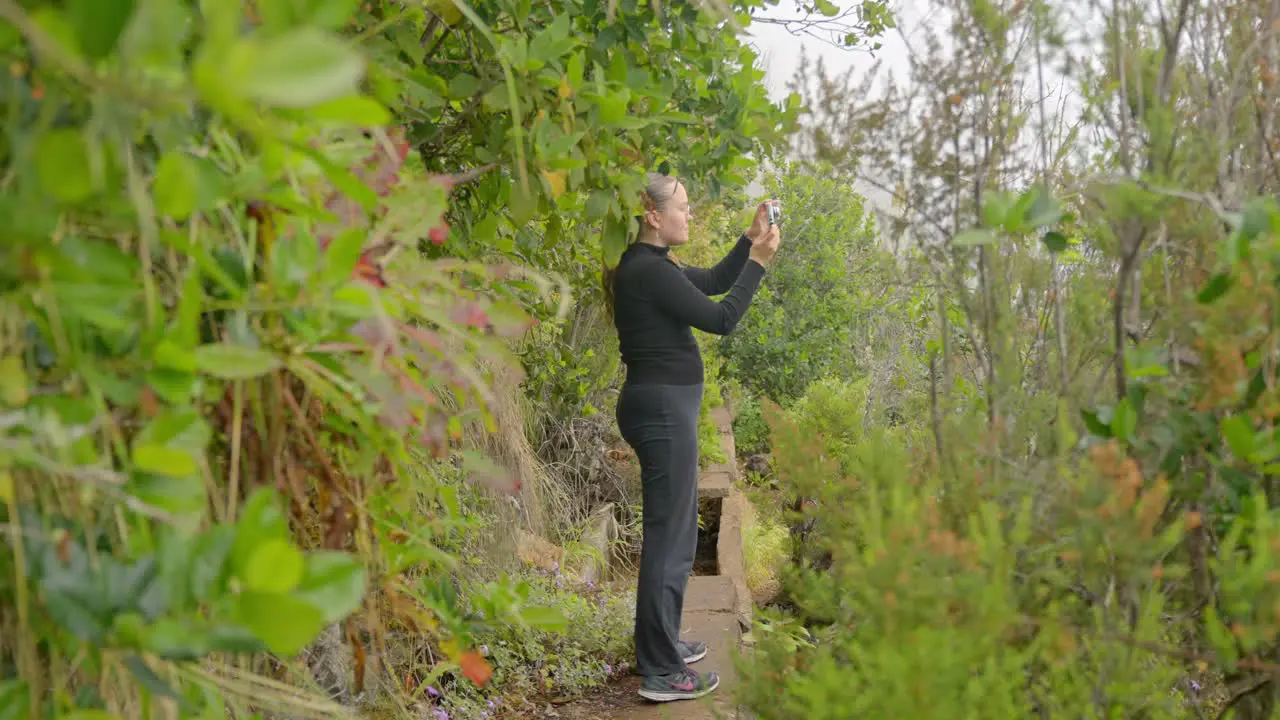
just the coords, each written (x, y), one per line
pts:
(655, 305)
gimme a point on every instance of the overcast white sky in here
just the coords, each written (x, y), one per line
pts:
(780, 51)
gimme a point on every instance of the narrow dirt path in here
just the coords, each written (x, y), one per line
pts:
(717, 607)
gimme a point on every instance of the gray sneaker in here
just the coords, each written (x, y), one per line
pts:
(691, 651)
(688, 685)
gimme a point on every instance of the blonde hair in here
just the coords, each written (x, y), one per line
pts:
(659, 190)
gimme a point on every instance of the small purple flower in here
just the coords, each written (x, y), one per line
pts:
(608, 669)
(441, 714)
(433, 692)
(492, 705)
(484, 649)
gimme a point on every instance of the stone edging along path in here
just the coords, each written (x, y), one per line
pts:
(719, 481)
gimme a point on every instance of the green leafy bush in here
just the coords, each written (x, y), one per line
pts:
(568, 368)
(803, 324)
(750, 431)
(175, 597)
(834, 410)
(710, 449)
(255, 293)
(195, 312)
(523, 622)
(1078, 515)
(929, 581)
(935, 608)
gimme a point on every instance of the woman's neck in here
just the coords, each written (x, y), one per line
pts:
(651, 238)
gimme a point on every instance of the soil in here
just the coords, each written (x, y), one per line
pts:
(605, 703)
(705, 559)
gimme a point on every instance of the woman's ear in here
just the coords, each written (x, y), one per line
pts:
(651, 217)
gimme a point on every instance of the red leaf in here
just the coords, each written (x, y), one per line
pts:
(347, 209)
(148, 402)
(476, 317)
(475, 668)
(369, 271)
(426, 338)
(386, 165)
(471, 315)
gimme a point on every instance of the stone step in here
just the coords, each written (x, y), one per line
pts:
(722, 418)
(715, 482)
(710, 593)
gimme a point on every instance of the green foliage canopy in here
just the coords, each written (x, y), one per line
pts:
(803, 324)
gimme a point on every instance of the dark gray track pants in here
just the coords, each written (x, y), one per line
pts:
(661, 423)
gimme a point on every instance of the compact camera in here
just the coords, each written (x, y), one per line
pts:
(775, 214)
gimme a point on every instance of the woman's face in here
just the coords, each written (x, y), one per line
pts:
(672, 223)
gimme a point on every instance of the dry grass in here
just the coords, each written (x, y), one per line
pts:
(765, 544)
(509, 446)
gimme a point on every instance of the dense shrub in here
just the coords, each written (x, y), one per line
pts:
(1130, 570)
(750, 431)
(710, 449)
(590, 643)
(804, 320)
(1068, 508)
(937, 607)
(262, 254)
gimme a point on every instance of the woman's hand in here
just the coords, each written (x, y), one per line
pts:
(760, 225)
(763, 249)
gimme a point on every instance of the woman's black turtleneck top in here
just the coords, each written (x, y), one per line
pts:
(656, 303)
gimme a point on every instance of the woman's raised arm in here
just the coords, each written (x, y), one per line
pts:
(718, 279)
